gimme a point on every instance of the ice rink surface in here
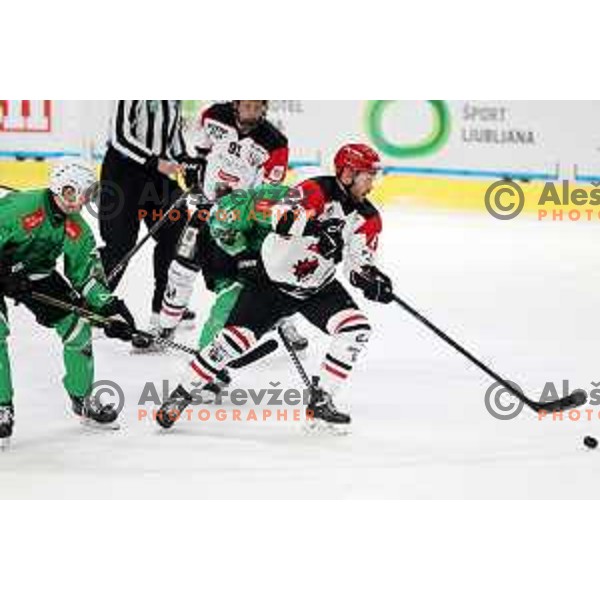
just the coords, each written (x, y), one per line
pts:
(523, 295)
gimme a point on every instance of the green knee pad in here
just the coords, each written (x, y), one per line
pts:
(219, 313)
(76, 335)
(6, 389)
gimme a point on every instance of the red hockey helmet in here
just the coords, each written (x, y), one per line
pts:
(358, 157)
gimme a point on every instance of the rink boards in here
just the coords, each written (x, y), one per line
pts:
(419, 191)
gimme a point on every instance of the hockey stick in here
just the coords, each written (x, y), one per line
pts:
(577, 398)
(122, 264)
(100, 321)
(294, 357)
(255, 354)
(8, 188)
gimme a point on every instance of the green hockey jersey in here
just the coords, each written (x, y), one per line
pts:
(241, 221)
(35, 234)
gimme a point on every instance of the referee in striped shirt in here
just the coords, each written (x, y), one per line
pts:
(146, 149)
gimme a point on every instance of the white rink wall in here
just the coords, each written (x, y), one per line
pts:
(466, 138)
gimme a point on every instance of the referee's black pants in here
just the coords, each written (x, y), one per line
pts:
(129, 194)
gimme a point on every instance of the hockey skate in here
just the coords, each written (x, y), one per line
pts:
(171, 409)
(7, 421)
(322, 415)
(145, 342)
(94, 414)
(298, 342)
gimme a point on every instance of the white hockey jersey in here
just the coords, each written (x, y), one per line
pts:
(235, 160)
(291, 257)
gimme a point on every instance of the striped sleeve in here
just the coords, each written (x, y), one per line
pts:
(123, 138)
(179, 149)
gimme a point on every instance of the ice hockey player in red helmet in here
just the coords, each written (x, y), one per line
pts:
(328, 221)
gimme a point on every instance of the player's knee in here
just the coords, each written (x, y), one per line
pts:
(180, 284)
(178, 291)
(75, 333)
(181, 274)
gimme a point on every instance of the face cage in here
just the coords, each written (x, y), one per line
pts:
(77, 204)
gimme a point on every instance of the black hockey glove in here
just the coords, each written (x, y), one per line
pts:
(375, 285)
(14, 282)
(331, 241)
(117, 328)
(193, 172)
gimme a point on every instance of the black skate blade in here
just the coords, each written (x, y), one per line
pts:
(5, 444)
(95, 426)
(578, 398)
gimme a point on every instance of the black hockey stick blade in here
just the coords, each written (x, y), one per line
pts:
(577, 398)
(257, 353)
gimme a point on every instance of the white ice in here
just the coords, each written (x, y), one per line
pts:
(523, 295)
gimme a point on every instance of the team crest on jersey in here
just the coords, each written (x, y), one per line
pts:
(305, 268)
(34, 220)
(217, 353)
(256, 156)
(72, 229)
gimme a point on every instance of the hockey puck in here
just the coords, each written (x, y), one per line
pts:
(590, 442)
